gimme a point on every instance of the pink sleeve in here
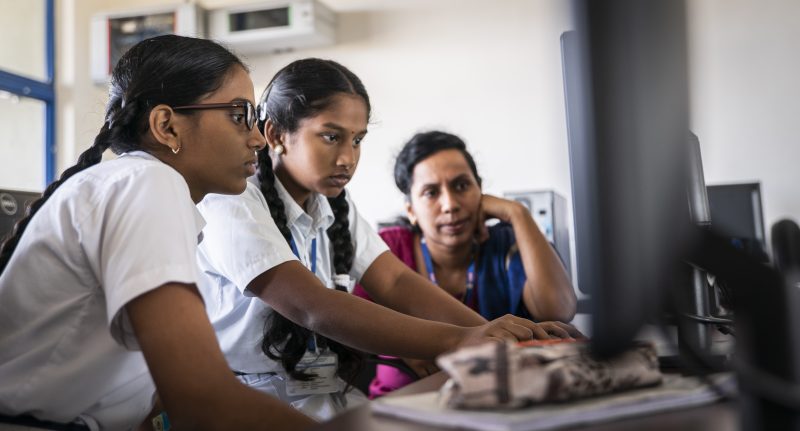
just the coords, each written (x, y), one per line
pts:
(401, 242)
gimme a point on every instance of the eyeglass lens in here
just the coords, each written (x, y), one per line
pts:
(249, 115)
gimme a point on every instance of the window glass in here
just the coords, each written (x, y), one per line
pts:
(22, 143)
(22, 38)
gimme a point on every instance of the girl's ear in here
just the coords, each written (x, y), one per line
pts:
(162, 121)
(274, 138)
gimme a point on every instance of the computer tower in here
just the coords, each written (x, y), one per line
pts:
(549, 211)
(13, 206)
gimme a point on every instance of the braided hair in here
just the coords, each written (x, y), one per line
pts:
(301, 90)
(152, 72)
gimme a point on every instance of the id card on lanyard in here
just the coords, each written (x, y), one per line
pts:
(320, 363)
(470, 297)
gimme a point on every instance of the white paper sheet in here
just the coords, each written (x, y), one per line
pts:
(676, 392)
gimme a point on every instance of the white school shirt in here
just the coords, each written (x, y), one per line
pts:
(107, 235)
(241, 241)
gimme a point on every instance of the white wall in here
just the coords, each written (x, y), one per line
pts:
(488, 71)
(746, 96)
(80, 104)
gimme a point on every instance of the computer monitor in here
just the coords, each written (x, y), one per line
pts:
(625, 79)
(627, 108)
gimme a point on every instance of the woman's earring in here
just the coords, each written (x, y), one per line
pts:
(176, 150)
(279, 149)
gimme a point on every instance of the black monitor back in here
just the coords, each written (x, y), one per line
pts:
(627, 115)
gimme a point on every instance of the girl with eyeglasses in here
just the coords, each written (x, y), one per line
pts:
(98, 298)
(282, 257)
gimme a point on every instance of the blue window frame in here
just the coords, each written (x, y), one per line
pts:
(41, 90)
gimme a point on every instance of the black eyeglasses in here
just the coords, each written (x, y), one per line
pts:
(249, 110)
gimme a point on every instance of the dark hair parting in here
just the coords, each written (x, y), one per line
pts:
(420, 147)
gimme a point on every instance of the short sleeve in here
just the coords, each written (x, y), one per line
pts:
(368, 245)
(241, 240)
(400, 240)
(143, 234)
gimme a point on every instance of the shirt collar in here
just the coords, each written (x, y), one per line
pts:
(199, 223)
(140, 154)
(319, 214)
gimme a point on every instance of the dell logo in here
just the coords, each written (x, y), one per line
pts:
(8, 204)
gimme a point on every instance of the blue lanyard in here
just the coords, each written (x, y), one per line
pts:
(312, 341)
(468, 295)
(312, 257)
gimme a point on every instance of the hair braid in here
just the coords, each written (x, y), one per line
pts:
(117, 129)
(339, 234)
(351, 360)
(91, 156)
(126, 123)
(284, 340)
(266, 181)
(278, 330)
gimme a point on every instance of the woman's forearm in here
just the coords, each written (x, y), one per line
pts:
(548, 293)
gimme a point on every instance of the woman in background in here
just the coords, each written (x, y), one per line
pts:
(507, 268)
(274, 318)
(105, 263)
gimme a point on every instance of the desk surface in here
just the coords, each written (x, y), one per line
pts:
(715, 417)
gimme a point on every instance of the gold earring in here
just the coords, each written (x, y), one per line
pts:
(279, 149)
(176, 150)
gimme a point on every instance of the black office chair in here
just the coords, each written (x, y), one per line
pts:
(786, 247)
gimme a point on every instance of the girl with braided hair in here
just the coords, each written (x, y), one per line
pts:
(277, 318)
(98, 298)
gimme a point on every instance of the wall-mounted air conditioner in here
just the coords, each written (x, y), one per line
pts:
(113, 33)
(274, 25)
